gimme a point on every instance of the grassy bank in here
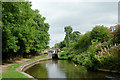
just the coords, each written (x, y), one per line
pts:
(11, 71)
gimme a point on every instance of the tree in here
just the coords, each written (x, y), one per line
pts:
(83, 42)
(56, 45)
(74, 36)
(24, 31)
(60, 45)
(100, 33)
(68, 30)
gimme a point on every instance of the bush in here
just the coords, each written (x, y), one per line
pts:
(91, 63)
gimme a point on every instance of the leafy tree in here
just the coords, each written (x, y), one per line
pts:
(62, 44)
(75, 35)
(83, 42)
(24, 31)
(56, 45)
(100, 33)
(68, 30)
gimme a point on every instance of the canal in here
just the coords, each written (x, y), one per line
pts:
(66, 69)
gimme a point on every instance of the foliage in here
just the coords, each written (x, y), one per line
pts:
(109, 58)
(95, 49)
(100, 33)
(60, 45)
(116, 35)
(75, 35)
(70, 38)
(24, 31)
(83, 42)
(63, 57)
(87, 58)
(67, 39)
(68, 29)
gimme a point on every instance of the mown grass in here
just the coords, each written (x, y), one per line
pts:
(11, 72)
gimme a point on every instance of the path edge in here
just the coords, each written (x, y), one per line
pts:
(27, 65)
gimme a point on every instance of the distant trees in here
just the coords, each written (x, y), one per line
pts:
(24, 31)
(70, 38)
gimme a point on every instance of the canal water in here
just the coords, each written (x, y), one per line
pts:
(66, 69)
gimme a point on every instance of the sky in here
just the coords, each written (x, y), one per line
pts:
(81, 15)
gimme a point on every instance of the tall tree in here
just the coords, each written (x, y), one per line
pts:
(68, 30)
(75, 35)
(24, 31)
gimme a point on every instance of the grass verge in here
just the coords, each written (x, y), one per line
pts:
(12, 73)
(42, 56)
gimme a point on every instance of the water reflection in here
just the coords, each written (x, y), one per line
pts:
(53, 70)
(38, 71)
(66, 69)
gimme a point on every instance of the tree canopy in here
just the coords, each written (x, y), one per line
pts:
(75, 35)
(100, 33)
(68, 29)
(24, 31)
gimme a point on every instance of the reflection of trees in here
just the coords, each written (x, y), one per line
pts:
(71, 71)
(62, 68)
(51, 62)
(38, 71)
(79, 72)
(55, 61)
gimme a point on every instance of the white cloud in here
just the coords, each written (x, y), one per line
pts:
(56, 38)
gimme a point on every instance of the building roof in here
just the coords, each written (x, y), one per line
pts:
(113, 28)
